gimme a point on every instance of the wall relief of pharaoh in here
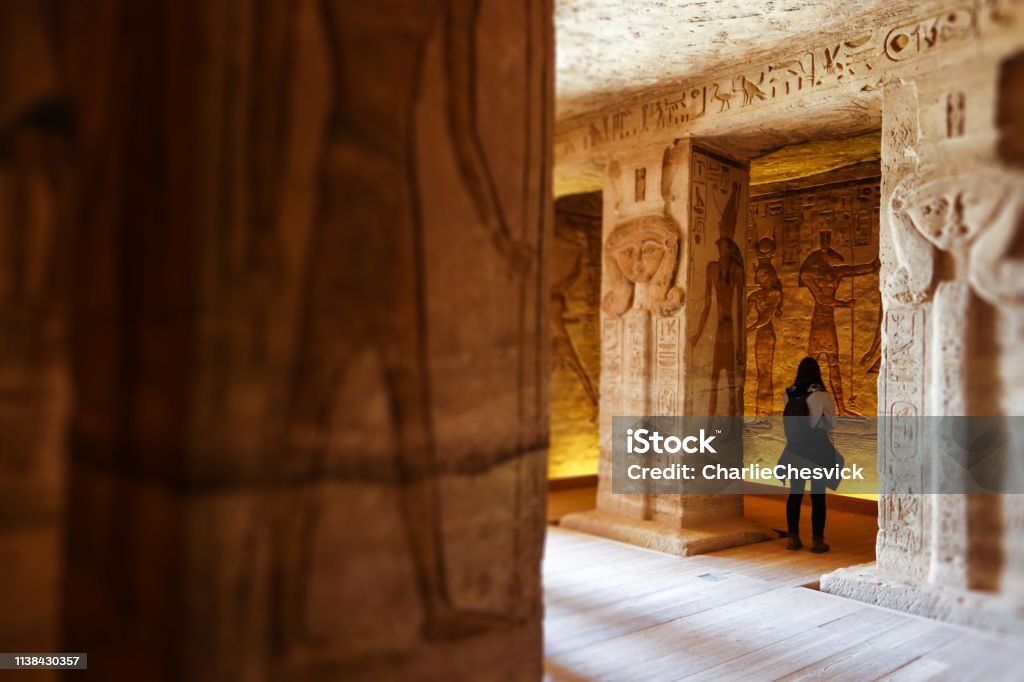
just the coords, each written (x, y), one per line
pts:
(724, 283)
(817, 248)
(821, 273)
(565, 352)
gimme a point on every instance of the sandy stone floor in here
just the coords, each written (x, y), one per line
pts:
(618, 612)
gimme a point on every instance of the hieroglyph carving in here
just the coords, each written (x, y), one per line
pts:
(859, 57)
(901, 463)
(910, 40)
(956, 104)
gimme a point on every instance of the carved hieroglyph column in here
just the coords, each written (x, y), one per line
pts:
(672, 329)
(952, 211)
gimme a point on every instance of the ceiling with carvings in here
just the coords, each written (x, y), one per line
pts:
(609, 48)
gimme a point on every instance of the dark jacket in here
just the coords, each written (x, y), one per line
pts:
(805, 446)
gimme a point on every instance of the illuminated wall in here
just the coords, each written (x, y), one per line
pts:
(826, 306)
(575, 336)
(813, 289)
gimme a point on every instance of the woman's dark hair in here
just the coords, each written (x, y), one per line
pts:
(808, 374)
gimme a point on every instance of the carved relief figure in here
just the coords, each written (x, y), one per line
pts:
(564, 353)
(641, 260)
(460, 18)
(766, 302)
(334, 353)
(724, 282)
(751, 91)
(723, 98)
(821, 272)
(973, 218)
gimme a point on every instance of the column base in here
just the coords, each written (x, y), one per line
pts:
(697, 539)
(868, 584)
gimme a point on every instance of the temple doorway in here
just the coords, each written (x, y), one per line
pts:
(812, 269)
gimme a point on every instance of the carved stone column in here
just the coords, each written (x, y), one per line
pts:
(310, 340)
(953, 206)
(673, 341)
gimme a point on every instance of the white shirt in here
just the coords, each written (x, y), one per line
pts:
(821, 408)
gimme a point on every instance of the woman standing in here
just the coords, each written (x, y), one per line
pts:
(808, 397)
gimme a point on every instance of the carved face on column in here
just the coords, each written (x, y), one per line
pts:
(643, 252)
(950, 211)
(978, 214)
(639, 259)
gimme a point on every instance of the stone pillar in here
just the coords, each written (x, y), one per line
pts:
(952, 210)
(673, 341)
(310, 340)
(35, 155)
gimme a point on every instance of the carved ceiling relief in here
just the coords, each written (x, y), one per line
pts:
(857, 60)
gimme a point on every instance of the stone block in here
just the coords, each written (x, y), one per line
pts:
(700, 538)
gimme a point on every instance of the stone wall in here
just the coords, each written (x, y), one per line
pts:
(575, 336)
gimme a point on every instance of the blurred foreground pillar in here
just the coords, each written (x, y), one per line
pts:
(310, 341)
(35, 148)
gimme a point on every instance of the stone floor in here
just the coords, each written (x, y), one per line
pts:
(618, 612)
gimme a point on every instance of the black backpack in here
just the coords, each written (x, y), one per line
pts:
(795, 418)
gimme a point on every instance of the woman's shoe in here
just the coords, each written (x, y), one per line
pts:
(794, 542)
(819, 546)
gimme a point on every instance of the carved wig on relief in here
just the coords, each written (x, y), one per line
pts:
(911, 282)
(996, 269)
(974, 215)
(641, 261)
